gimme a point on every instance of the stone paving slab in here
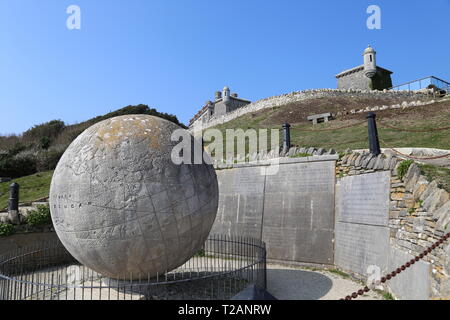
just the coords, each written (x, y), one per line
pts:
(298, 283)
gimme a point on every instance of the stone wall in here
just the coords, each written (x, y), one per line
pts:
(221, 108)
(407, 96)
(362, 214)
(358, 80)
(399, 217)
(419, 215)
(26, 239)
(24, 234)
(24, 210)
(288, 203)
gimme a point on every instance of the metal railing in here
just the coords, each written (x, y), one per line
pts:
(223, 268)
(423, 83)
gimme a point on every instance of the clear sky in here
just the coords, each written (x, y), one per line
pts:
(174, 54)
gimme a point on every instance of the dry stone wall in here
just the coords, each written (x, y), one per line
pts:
(413, 213)
(293, 152)
(419, 215)
(410, 98)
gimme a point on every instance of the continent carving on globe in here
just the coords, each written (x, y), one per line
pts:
(120, 205)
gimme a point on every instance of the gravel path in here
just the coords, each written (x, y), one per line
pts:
(297, 283)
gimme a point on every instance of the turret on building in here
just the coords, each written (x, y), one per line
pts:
(224, 102)
(367, 76)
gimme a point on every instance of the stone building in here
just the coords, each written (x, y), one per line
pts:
(367, 76)
(224, 102)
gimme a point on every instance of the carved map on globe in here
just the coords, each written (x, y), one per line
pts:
(120, 205)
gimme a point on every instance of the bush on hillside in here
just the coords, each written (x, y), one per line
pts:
(49, 130)
(41, 147)
(18, 166)
(48, 159)
(139, 109)
(8, 141)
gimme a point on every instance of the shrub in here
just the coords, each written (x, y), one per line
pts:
(6, 229)
(200, 253)
(50, 130)
(403, 168)
(16, 149)
(47, 160)
(18, 166)
(40, 216)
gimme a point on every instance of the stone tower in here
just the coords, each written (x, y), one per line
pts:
(224, 102)
(367, 76)
(226, 94)
(370, 62)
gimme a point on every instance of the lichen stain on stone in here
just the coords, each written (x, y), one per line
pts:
(112, 133)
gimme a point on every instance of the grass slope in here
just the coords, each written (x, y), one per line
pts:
(304, 134)
(428, 117)
(441, 175)
(32, 187)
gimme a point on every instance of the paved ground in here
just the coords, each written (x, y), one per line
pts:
(296, 283)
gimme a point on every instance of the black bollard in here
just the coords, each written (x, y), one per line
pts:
(374, 144)
(13, 197)
(286, 136)
(13, 204)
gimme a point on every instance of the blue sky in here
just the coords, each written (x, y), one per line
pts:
(173, 55)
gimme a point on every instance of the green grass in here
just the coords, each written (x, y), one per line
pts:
(304, 134)
(311, 268)
(403, 168)
(40, 216)
(386, 295)
(340, 273)
(200, 253)
(6, 229)
(441, 175)
(32, 188)
(301, 155)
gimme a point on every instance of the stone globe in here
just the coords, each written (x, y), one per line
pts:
(123, 208)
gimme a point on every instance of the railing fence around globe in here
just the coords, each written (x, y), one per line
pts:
(223, 268)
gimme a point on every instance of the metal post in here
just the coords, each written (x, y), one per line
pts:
(14, 196)
(286, 136)
(374, 144)
(13, 205)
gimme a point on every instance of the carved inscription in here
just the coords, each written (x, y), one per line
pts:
(359, 246)
(364, 199)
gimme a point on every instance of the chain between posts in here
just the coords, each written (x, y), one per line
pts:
(411, 130)
(397, 271)
(332, 129)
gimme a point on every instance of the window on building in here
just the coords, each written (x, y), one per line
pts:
(370, 58)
